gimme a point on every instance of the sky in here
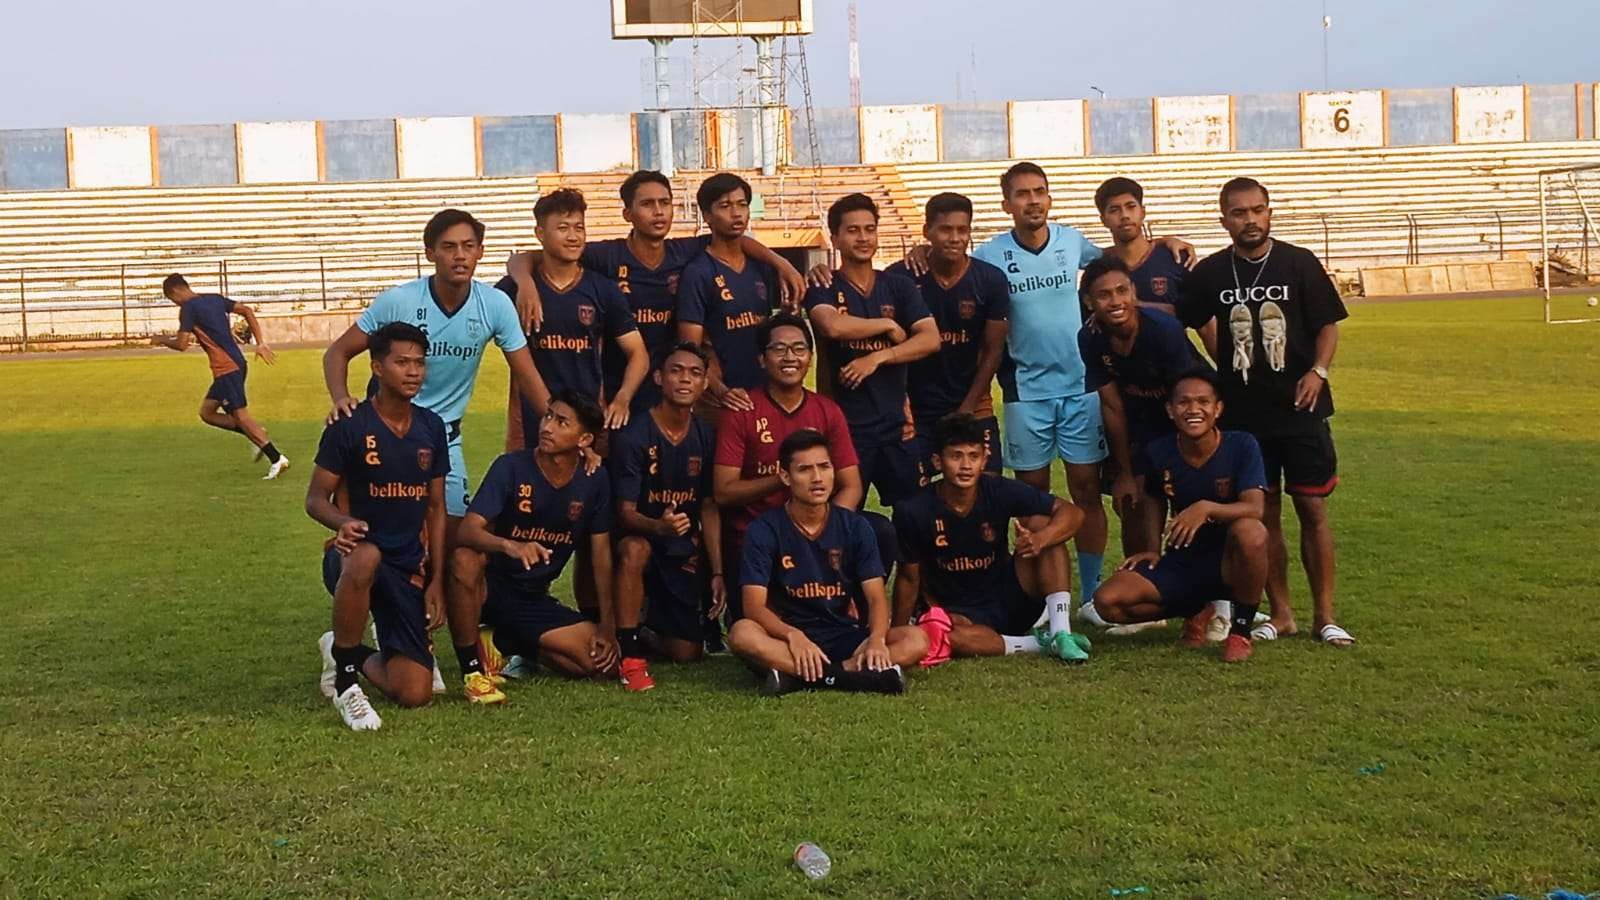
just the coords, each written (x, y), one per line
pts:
(186, 61)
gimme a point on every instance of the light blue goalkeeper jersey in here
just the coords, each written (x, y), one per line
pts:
(1046, 313)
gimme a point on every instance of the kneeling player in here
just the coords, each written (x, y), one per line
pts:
(811, 561)
(531, 512)
(673, 526)
(386, 465)
(954, 556)
(1216, 544)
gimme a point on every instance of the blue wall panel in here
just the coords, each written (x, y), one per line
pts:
(975, 131)
(1121, 127)
(1552, 112)
(1421, 116)
(197, 154)
(359, 150)
(33, 159)
(1266, 122)
(838, 137)
(688, 140)
(518, 145)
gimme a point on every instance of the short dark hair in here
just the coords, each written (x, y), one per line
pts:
(1114, 188)
(958, 428)
(639, 179)
(559, 201)
(684, 347)
(381, 342)
(1198, 373)
(1236, 185)
(718, 186)
(1021, 168)
(1099, 268)
(173, 282)
(781, 320)
(944, 204)
(849, 203)
(800, 441)
(587, 409)
(446, 219)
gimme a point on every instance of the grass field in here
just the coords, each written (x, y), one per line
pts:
(162, 734)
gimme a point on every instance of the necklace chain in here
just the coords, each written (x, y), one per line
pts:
(1233, 262)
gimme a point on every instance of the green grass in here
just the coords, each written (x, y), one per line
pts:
(161, 734)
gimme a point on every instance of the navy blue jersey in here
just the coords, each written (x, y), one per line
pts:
(939, 383)
(1159, 278)
(384, 477)
(580, 325)
(521, 504)
(652, 472)
(811, 582)
(876, 408)
(1161, 352)
(652, 294)
(961, 556)
(206, 316)
(1234, 467)
(730, 306)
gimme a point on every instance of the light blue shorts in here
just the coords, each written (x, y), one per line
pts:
(455, 484)
(1040, 431)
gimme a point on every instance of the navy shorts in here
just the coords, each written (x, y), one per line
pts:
(1187, 580)
(1007, 608)
(675, 594)
(1302, 459)
(228, 391)
(928, 456)
(520, 617)
(895, 469)
(398, 611)
(837, 642)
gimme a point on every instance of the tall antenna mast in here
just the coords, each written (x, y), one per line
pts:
(855, 60)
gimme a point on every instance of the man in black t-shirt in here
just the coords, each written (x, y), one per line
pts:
(1277, 316)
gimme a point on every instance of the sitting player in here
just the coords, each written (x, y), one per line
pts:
(813, 562)
(665, 507)
(533, 509)
(954, 556)
(1216, 544)
(379, 484)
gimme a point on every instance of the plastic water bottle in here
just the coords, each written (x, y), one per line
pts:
(810, 859)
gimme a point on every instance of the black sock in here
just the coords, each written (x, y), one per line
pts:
(1244, 616)
(468, 658)
(347, 663)
(628, 640)
(271, 452)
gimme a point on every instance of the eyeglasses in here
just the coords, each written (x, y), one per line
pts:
(782, 350)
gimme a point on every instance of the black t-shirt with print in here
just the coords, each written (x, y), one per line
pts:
(1268, 314)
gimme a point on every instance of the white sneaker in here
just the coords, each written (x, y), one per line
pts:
(516, 668)
(1086, 614)
(1135, 628)
(438, 680)
(276, 469)
(1217, 629)
(356, 711)
(329, 668)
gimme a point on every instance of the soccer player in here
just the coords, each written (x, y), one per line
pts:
(806, 568)
(534, 507)
(955, 557)
(1277, 316)
(379, 485)
(1216, 543)
(204, 318)
(724, 295)
(872, 323)
(1157, 273)
(583, 317)
(746, 476)
(970, 300)
(670, 559)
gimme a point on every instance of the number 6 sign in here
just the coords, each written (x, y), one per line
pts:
(1341, 119)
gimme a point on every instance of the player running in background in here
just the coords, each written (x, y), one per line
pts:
(1278, 316)
(670, 560)
(955, 558)
(203, 318)
(806, 569)
(535, 506)
(379, 485)
(1216, 545)
(872, 324)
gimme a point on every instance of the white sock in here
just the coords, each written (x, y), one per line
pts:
(1059, 605)
(1025, 643)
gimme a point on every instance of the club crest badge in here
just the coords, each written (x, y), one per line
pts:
(575, 510)
(967, 308)
(1158, 286)
(586, 315)
(693, 466)
(836, 559)
(425, 459)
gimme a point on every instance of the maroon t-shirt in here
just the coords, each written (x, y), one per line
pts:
(749, 440)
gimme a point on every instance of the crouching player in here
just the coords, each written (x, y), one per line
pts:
(533, 509)
(379, 485)
(1216, 544)
(670, 560)
(805, 567)
(954, 556)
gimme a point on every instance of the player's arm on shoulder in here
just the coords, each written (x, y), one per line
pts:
(336, 368)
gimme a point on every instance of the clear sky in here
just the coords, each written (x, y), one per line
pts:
(76, 62)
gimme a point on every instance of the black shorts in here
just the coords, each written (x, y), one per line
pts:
(928, 456)
(675, 596)
(838, 642)
(228, 391)
(895, 469)
(1187, 580)
(520, 617)
(1301, 459)
(1006, 608)
(398, 612)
